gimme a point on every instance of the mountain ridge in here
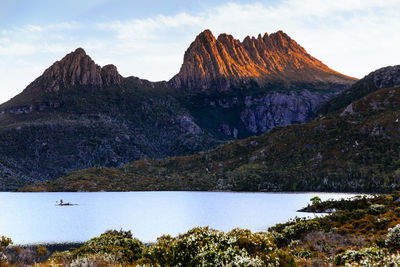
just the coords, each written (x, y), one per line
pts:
(226, 62)
(78, 115)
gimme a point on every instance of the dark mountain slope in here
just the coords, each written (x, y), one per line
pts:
(355, 151)
(381, 78)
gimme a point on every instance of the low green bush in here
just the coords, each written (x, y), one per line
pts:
(393, 238)
(4, 243)
(209, 247)
(359, 256)
(119, 248)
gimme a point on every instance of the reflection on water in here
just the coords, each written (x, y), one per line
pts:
(36, 217)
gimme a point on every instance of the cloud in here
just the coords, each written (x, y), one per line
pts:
(352, 37)
(148, 28)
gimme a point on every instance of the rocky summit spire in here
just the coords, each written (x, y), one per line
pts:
(224, 61)
(110, 75)
(76, 69)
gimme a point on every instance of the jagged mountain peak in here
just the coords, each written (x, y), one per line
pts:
(79, 50)
(224, 36)
(76, 69)
(206, 36)
(226, 61)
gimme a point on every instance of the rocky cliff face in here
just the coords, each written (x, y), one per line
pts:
(233, 117)
(280, 109)
(224, 62)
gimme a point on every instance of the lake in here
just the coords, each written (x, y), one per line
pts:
(34, 217)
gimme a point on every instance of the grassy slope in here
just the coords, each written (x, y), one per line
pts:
(355, 152)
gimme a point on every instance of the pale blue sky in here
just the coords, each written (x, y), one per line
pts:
(147, 39)
(20, 12)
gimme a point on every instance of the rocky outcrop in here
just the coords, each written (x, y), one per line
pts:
(242, 116)
(187, 125)
(224, 62)
(280, 109)
(75, 69)
(385, 77)
(110, 75)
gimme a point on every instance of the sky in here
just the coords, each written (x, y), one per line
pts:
(147, 39)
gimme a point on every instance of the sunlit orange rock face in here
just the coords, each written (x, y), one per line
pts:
(225, 61)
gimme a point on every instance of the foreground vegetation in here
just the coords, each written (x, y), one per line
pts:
(197, 247)
(362, 231)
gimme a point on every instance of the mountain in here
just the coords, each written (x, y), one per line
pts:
(224, 62)
(238, 89)
(79, 115)
(355, 149)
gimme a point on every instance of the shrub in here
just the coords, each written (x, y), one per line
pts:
(367, 257)
(294, 231)
(94, 261)
(376, 209)
(60, 258)
(4, 243)
(371, 255)
(306, 254)
(208, 247)
(125, 234)
(393, 238)
(112, 246)
(315, 200)
(397, 211)
(41, 253)
(24, 256)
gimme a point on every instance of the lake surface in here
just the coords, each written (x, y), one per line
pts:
(34, 217)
